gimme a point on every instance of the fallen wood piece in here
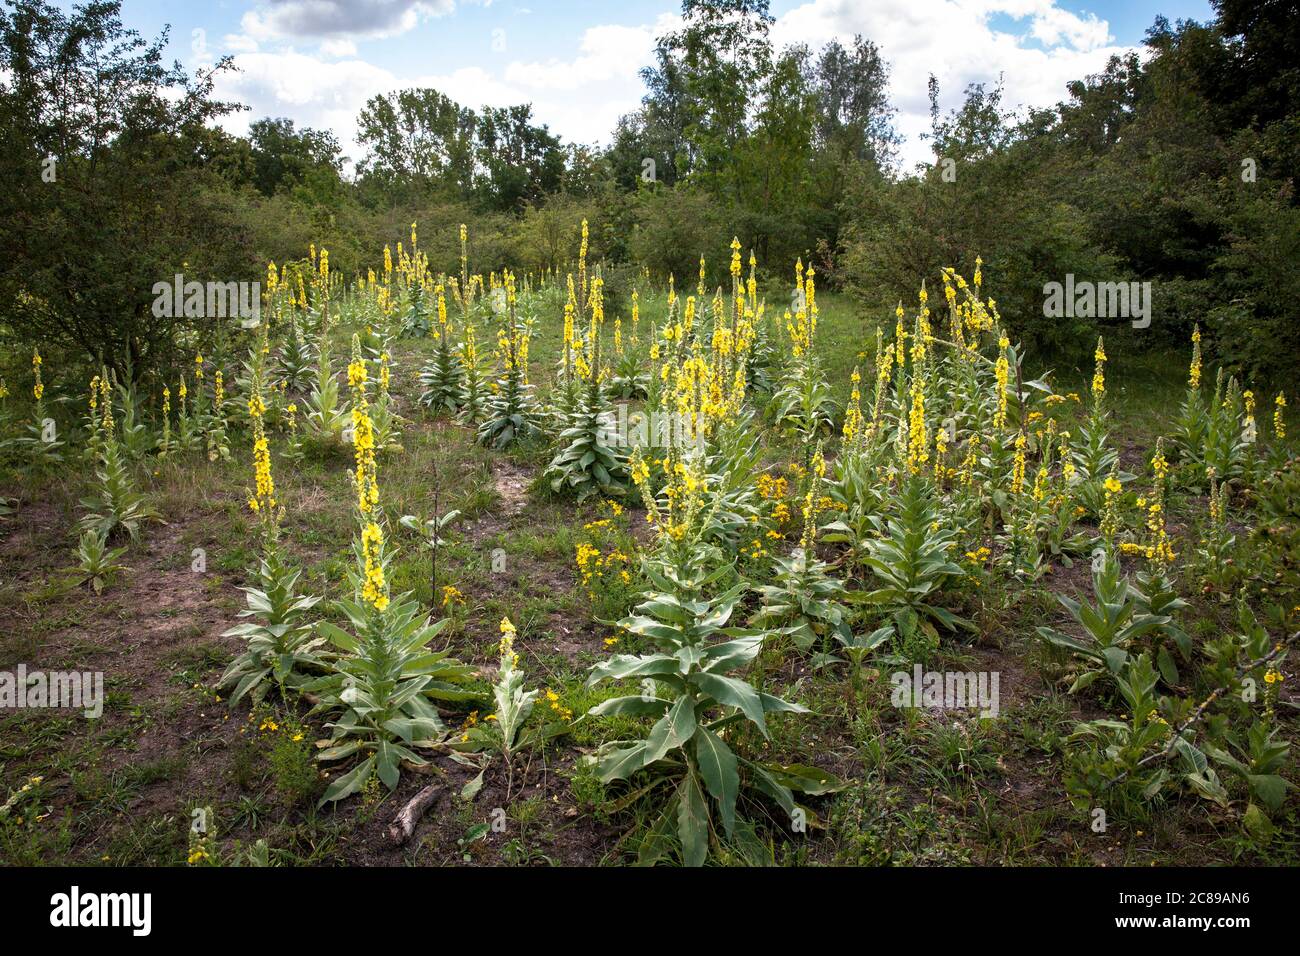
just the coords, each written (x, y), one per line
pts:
(408, 818)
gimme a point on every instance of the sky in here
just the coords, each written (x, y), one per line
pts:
(318, 61)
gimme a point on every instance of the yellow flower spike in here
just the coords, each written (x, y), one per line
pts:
(1194, 374)
(1099, 373)
(1018, 466)
(38, 388)
(374, 588)
(1002, 372)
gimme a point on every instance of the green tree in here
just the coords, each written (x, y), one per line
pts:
(102, 184)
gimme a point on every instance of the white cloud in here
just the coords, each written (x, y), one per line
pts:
(1055, 26)
(310, 91)
(338, 48)
(240, 43)
(288, 19)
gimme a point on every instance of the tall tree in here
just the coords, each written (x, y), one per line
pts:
(102, 185)
(519, 162)
(854, 118)
(416, 141)
(285, 157)
(712, 70)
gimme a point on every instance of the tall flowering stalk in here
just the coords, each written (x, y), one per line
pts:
(918, 435)
(1194, 372)
(1098, 379)
(1002, 373)
(1156, 549)
(474, 392)
(38, 386)
(803, 400)
(380, 687)
(443, 377)
(262, 501)
(218, 442)
(511, 411)
(366, 483)
(117, 505)
(281, 642)
(1249, 429)
(1110, 521)
(853, 430)
(1018, 465)
(884, 372)
(166, 444)
(587, 462)
(40, 439)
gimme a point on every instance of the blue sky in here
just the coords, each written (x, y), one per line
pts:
(317, 61)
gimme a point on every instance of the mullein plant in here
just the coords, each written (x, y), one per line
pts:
(41, 442)
(167, 444)
(382, 685)
(99, 391)
(1210, 436)
(693, 757)
(563, 396)
(216, 425)
(132, 432)
(387, 422)
(1226, 450)
(628, 379)
(1192, 423)
(1111, 628)
(859, 468)
(804, 604)
(1096, 461)
(282, 648)
(293, 451)
(909, 555)
(327, 417)
(415, 320)
(514, 704)
(588, 463)
(443, 377)
(97, 562)
(867, 446)
(512, 414)
(295, 359)
(761, 364)
(189, 435)
(803, 402)
(1155, 590)
(474, 395)
(1216, 557)
(965, 368)
(1042, 511)
(912, 566)
(1024, 515)
(117, 507)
